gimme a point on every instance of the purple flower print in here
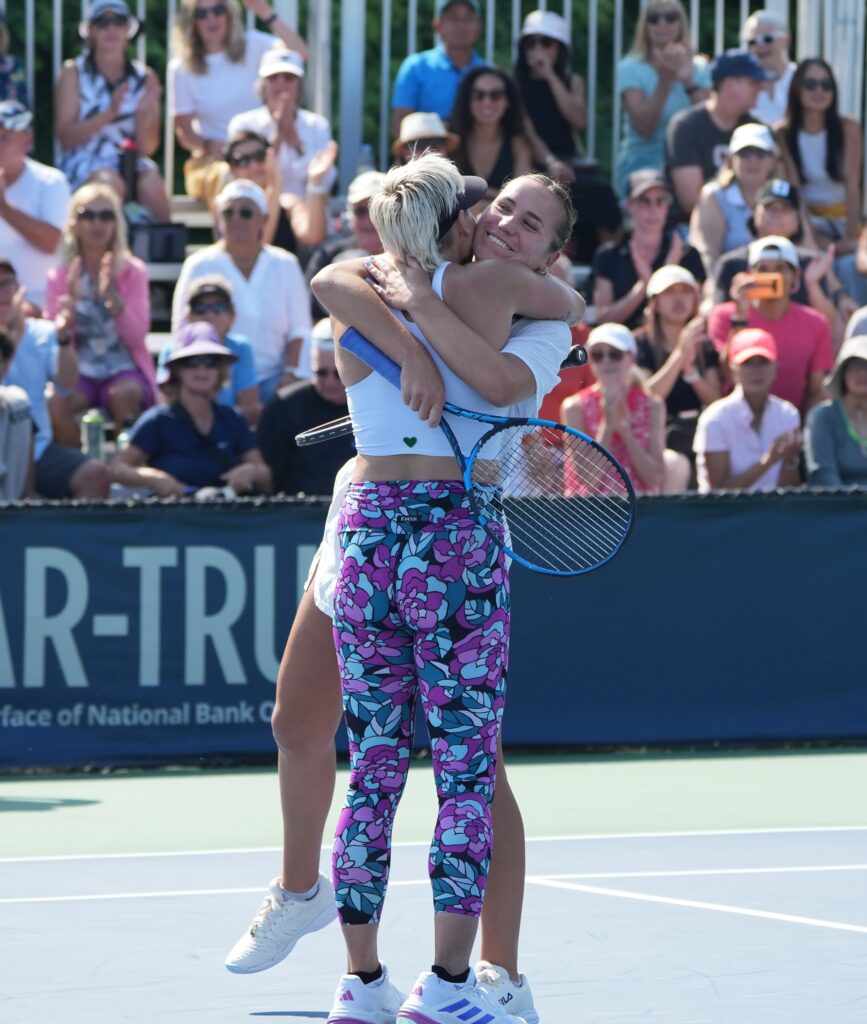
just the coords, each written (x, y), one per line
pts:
(421, 597)
(349, 863)
(464, 826)
(376, 765)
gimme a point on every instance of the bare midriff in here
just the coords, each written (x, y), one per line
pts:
(405, 467)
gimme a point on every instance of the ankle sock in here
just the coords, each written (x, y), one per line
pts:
(300, 897)
(368, 977)
(454, 979)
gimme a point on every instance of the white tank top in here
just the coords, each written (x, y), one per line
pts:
(819, 188)
(384, 425)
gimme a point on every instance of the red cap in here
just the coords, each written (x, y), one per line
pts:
(752, 341)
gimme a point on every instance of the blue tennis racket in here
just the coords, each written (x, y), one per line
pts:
(553, 498)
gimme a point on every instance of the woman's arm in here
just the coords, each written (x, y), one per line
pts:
(823, 467)
(147, 116)
(645, 111)
(649, 462)
(571, 100)
(852, 162)
(718, 466)
(129, 468)
(251, 472)
(190, 139)
(264, 12)
(617, 311)
(133, 320)
(707, 227)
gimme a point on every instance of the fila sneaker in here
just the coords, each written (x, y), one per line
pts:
(513, 998)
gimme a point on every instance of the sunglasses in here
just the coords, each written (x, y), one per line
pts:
(257, 156)
(488, 94)
(545, 41)
(752, 151)
(110, 21)
(322, 373)
(217, 11)
(669, 17)
(598, 354)
(203, 308)
(244, 212)
(658, 202)
(811, 84)
(765, 39)
(209, 362)
(104, 216)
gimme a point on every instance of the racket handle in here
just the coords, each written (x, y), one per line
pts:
(368, 353)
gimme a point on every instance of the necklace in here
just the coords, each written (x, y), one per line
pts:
(853, 433)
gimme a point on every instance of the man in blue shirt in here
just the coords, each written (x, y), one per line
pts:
(428, 80)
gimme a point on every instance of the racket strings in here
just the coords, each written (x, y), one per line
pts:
(565, 505)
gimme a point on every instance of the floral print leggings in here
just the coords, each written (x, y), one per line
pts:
(421, 610)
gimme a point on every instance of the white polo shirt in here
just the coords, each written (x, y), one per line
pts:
(272, 305)
(726, 426)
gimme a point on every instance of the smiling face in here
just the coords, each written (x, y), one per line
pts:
(520, 224)
(768, 42)
(611, 366)
(108, 32)
(95, 224)
(489, 99)
(663, 24)
(817, 88)
(200, 375)
(247, 159)
(211, 20)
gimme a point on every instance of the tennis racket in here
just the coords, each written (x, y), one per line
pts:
(553, 498)
(342, 426)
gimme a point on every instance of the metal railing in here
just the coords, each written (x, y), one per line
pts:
(833, 28)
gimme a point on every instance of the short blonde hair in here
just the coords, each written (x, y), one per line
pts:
(640, 45)
(187, 44)
(81, 197)
(408, 209)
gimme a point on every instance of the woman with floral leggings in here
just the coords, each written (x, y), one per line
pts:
(421, 611)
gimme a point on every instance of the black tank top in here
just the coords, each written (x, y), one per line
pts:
(503, 167)
(550, 125)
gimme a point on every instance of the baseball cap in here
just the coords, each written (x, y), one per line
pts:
(443, 5)
(738, 64)
(474, 190)
(242, 188)
(99, 7)
(423, 125)
(778, 189)
(616, 335)
(854, 348)
(546, 23)
(644, 180)
(322, 336)
(211, 284)
(364, 186)
(279, 60)
(15, 117)
(750, 342)
(757, 136)
(772, 247)
(661, 280)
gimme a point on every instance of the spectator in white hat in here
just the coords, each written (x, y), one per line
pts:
(721, 218)
(213, 73)
(802, 336)
(428, 80)
(766, 34)
(618, 412)
(272, 302)
(421, 133)
(298, 135)
(103, 99)
(675, 352)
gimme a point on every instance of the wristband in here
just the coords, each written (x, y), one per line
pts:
(271, 19)
(549, 160)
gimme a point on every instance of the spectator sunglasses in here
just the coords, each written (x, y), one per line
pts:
(812, 84)
(244, 212)
(545, 41)
(669, 17)
(203, 308)
(255, 156)
(598, 353)
(110, 21)
(488, 94)
(209, 362)
(764, 39)
(104, 216)
(217, 11)
(322, 372)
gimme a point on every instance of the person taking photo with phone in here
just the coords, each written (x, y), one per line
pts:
(762, 297)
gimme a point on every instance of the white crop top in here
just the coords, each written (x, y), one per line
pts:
(384, 425)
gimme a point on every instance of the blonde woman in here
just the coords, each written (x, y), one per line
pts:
(104, 289)
(721, 219)
(213, 73)
(660, 76)
(104, 98)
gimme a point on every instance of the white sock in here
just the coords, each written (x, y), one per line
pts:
(300, 897)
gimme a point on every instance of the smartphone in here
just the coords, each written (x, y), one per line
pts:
(766, 286)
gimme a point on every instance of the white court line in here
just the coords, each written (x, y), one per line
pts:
(530, 839)
(815, 922)
(538, 879)
(705, 871)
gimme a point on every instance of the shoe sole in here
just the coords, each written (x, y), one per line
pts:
(318, 923)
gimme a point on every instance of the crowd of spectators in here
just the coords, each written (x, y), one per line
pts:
(726, 257)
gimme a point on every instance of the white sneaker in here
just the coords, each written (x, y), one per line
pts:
(513, 998)
(278, 925)
(434, 1001)
(357, 1003)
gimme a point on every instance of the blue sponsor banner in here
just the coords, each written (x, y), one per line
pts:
(153, 633)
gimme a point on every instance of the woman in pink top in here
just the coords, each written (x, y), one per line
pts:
(617, 411)
(105, 288)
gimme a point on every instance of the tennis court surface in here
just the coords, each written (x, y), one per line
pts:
(715, 889)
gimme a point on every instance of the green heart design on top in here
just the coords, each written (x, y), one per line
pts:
(410, 442)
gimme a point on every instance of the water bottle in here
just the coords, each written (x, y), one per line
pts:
(128, 167)
(366, 161)
(93, 434)
(122, 440)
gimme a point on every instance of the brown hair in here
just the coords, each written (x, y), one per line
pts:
(187, 44)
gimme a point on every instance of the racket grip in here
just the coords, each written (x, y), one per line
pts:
(367, 352)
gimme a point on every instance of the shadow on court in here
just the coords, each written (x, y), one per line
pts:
(42, 804)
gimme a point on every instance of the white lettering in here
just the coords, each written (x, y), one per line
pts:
(17, 718)
(40, 628)
(7, 674)
(225, 714)
(150, 562)
(216, 626)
